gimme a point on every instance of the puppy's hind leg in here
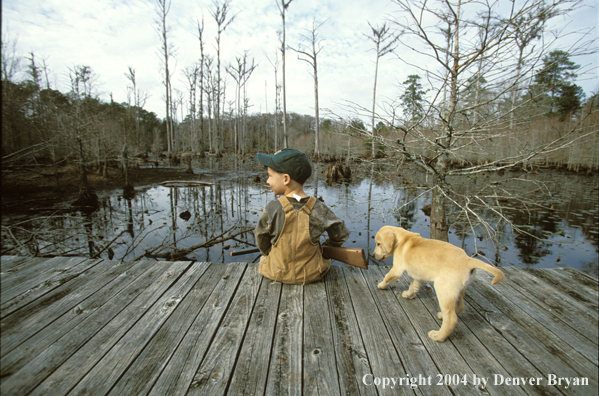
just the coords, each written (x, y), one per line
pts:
(392, 275)
(449, 316)
(413, 290)
(460, 304)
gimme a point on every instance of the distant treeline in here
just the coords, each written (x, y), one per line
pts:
(48, 126)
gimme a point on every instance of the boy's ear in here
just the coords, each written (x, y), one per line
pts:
(286, 179)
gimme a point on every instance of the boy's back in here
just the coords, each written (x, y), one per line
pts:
(289, 229)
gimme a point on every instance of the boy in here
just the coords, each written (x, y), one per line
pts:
(288, 232)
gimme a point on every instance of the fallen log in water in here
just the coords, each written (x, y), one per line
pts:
(179, 254)
(168, 183)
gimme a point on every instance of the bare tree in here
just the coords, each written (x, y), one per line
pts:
(139, 98)
(10, 59)
(220, 15)
(45, 68)
(241, 74)
(248, 70)
(275, 65)
(527, 28)
(11, 66)
(201, 146)
(131, 92)
(81, 88)
(310, 56)
(180, 142)
(236, 73)
(209, 90)
(384, 43)
(132, 97)
(282, 8)
(460, 143)
(163, 8)
(191, 74)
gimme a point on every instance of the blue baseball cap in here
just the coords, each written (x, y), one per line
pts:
(289, 161)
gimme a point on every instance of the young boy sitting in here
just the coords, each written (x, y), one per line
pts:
(288, 232)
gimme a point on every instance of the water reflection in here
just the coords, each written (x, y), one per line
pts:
(405, 205)
(558, 229)
(368, 211)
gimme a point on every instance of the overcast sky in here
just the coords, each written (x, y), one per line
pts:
(112, 35)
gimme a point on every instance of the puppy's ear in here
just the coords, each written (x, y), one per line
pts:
(388, 241)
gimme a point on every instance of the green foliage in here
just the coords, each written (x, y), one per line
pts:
(356, 127)
(557, 70)
(380, 148)
(554, 85)
(326, 125)
(569, 100)
(413, 98)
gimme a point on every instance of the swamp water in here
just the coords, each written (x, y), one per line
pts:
(558, 216)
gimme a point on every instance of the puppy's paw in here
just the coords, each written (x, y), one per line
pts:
(434, 335)
(440, 315)
(407, 294)
(382, 285)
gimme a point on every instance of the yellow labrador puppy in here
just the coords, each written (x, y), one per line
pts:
(429, 260)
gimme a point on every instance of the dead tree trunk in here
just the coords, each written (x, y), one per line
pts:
(282, 7)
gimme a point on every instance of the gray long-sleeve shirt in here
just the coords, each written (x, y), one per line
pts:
(271, 222)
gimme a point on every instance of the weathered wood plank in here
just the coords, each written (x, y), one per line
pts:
(104, 330)
(23, 280)
(352, 361)
(320, 369)
(584, 278)
(24, 323)
(251, 369)
(102, 377)
(382, 355)
(11, 264)
(573, 321)
(447, 357)
(182, 328)
(15, 269)
(147, 367)
(519, 339)
(215, 370)
(20, 263)
(547, 352)
(7, 261)
(551, 324)
(177, 376)
(285, 372)
(410, 346)
(554, 285)
(38, 289)
(515, 364)
(77, 326)
(563, 281)
(481, 363)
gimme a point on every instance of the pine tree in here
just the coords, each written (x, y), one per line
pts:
(412, 98)
(555, 80)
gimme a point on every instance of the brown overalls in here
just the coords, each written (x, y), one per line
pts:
(294, 258)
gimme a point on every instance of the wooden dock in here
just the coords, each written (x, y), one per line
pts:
(97, 327)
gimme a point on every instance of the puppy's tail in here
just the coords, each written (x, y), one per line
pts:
(490, 269)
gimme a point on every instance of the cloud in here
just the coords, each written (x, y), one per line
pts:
(110, 36)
